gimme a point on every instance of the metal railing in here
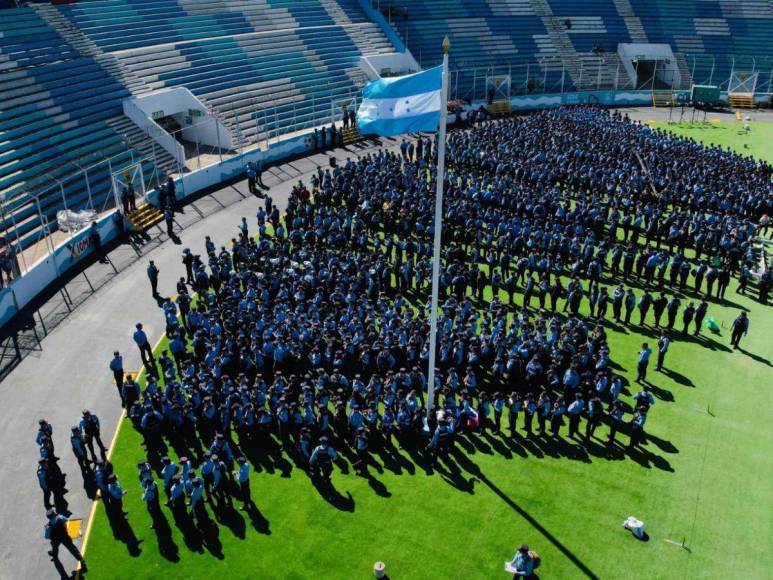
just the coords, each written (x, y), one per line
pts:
(269, 121)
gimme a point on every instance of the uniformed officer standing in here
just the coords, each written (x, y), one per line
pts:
(663, 343)
(56, 533)
(150, 497)
(78, 443)
(243, 478)
(91, 431)
(116, 366)
(740, 328)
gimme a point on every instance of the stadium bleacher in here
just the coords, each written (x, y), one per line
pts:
(263, 67)
(717, 35)
(267, 67)
(503, 34)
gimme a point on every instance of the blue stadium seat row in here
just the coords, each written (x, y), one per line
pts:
(26, 40)
(51, 120)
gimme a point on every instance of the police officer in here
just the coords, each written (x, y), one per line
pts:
(150, 497)
(243, 478)
(208, 473)
(44, 481)
(91, 430)
(116, 493)
(642, 362)
(56, 533)
(663, 343)
(637, 427)
(322, 459)
(615, 419)
(130, 392)
(594, 417)
(116, 366)
(740, 327)
(361, 448)
(574, 411)
(152, 272)
(45, 433)
(141, 340)
(78, 443)
(440, 442)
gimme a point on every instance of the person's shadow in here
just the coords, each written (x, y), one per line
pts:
(755, 357)
(331, 495)
(166, 545)
(123, 531)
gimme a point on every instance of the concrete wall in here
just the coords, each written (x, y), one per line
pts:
(154, 130)
(669, 73)
(179, 102)
(396, 62)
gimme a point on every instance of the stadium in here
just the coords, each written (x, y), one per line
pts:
(386, 288)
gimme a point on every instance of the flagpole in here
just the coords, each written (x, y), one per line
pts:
(441, 162)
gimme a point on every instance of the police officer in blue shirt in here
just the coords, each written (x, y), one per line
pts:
(151, 499)
(643, 361)
(92, 432)
(78, 443)
(116, 366)
(152, 271)
(322, 458)
(637, 427)
(116, 493)
(141, 340)
(56, 533)
(130, 392)
(243, 479)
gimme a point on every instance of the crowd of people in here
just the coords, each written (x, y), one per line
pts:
(311, 338)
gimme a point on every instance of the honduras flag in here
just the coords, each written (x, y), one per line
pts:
(402, 104)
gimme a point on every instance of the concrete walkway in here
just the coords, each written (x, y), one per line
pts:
(70, 371)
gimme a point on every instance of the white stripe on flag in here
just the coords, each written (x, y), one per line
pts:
(400, 108)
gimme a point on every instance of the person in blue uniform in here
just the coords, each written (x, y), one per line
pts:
(56, 533)
(78, 444)
(322, 459)
(116, 367)
(243, 479)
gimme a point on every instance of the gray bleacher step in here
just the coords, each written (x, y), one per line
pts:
(632, 22)
(684, 71)
(73, 35)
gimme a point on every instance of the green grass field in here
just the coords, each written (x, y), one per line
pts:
(728, 134)
(703, 478)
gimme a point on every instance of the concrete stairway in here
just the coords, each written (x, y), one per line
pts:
(632, 22)
(147, 147)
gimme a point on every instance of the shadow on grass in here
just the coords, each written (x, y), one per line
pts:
(755, 357)
(122, 530)
(481, 477)
(331, 495)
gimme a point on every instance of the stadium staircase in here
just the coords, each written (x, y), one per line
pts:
(632, 22)
(684, 71)
(145, 217)
(559, 39)
(586, 69)
(352, 135)
(164, 163)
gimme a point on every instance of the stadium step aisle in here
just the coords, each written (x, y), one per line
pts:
(52, 123)
(262, 82)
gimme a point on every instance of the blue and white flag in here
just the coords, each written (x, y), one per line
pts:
(402, 104)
